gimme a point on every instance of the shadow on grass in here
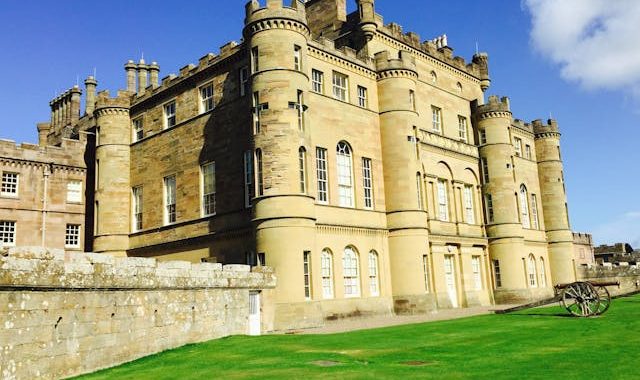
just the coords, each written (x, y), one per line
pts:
(555, 315)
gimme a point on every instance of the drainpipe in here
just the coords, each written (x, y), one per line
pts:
(45, 197)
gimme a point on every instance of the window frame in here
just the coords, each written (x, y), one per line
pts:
(243, 78)
(137, 207)
(8, 233)
(436, 120)
(169, 120)
(476, 265)
(469, 209)
(169, 213)
(77, 191)
(340, 90)
(302, 169)
(207, 200)
(532, 273)
(534, 212)
(248, 178)
(351, 272)
(463, 129)
(367, 183)
(525, 216)
(297, 58)
(443, 200)
(10, 187)
(317, 81)
(137, 125)
(206, 103)
(517, 145)
(72, 235)
(306, 267)
(327, 274)
(322, 175)
(374, 273)
(497, 276)
(344, 158)
(363, 98)
(426, 273)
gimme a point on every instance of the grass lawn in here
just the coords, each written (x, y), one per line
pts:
(531, 344)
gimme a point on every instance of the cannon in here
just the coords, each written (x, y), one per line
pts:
(581, 298)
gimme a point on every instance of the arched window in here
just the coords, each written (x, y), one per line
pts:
(543, 274)
(259, 179)
(350, 273)
(326, 267)
(524, 207)
(302, 167)
(434, 77)
(531, 271)
(374, 280)
(345, 175)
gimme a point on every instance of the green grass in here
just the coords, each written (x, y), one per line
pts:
(531, 344)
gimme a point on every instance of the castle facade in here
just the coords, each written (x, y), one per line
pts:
(360, 162)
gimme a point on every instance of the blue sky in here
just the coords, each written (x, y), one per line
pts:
(576, 60)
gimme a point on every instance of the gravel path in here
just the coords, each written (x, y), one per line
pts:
(352, 324)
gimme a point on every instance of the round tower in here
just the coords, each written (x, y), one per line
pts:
(113, 191)
(276, 39)
(406, 215)
(504, 230)
(554, 201)
(367, 24)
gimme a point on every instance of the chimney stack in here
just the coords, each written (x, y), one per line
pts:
(90, 102)
(130, 68)
(43, 132)
(142, 77)
(74, 106)
(154, 71)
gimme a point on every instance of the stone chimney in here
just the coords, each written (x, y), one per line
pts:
(74, 105)
(142, 77)
(43, 132)
(130, 68)
(154, 72)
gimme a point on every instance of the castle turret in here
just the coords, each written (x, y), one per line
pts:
(283, 211)
(406, 215)
(113, 192)
(90, 102)
(504, 229)
(367, 24)
(481, 60)
(554, 201)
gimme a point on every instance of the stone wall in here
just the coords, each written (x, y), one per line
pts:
(64, 314)
(629, 277)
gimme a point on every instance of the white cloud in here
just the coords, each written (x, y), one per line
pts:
(624, 229)
(595, 42)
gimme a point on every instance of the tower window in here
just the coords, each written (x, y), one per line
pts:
(496, 273)
(244, 81)
(206, 98)
(340, 86)
(321, 173)
(302, 168)
(412, 100)
(9, 187)
(483, 136)
(300, 109)
(297, 59)
(517, 142)
(489, 205)
(425, 271)
(419, 191)
(306, 263)
(527, 151)
(255, 63)
(485, 170)
(259, 179)
(436, 119)
(170, 199)
(256, 112)
(248, 178)
(170, 114)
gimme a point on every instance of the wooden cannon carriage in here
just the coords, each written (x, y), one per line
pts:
(581, 299)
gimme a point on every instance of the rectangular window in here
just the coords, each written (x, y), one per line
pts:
(362, 97)
(244, 81)
(419, 191)
(412, 100)
(72, 236)
(534, 212)
(206, 98)
(485, 170)
(300, 109)
(443, 202)
(169, 199)
(489, 202)
(340, 86)
(256, 113)
(259, 178)
(74, 192)
(436, 119)
(138, 129)
(306, 259)
(496, 273)
(302, 169)
(255, 63)
(425, 271)
(367, 183)
(7, 233)
(477, 277)
(297, 60)
(374, 286)
(248, 178)
(517, 143)
(170, 115)
(136, 194)
(483, 136)
(323, 178)
(462, 128)
(327, 274)
(527, 151)
(9, 187)
(208, 188)
(317, 81)
(469, 213)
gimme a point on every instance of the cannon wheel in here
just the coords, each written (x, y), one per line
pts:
(605, 299)
(581, 299)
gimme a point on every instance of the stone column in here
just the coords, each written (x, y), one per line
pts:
(90, 84)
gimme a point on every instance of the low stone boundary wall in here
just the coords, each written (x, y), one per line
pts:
(629, 277)
(63, 314)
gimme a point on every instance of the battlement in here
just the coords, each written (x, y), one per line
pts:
(522, 125)
(254, 12)
(495, 104)
(550, 127)
(439, 48)
(582, 238)
(69, 153)
(405, 61)
(122, 100)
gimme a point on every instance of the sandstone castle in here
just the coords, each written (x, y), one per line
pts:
(362, 163)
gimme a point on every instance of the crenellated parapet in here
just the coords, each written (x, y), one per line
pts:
(65, 108)
(403, 66)
(495, 107)
(275, 15)
(550, 129)
(106, 104)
